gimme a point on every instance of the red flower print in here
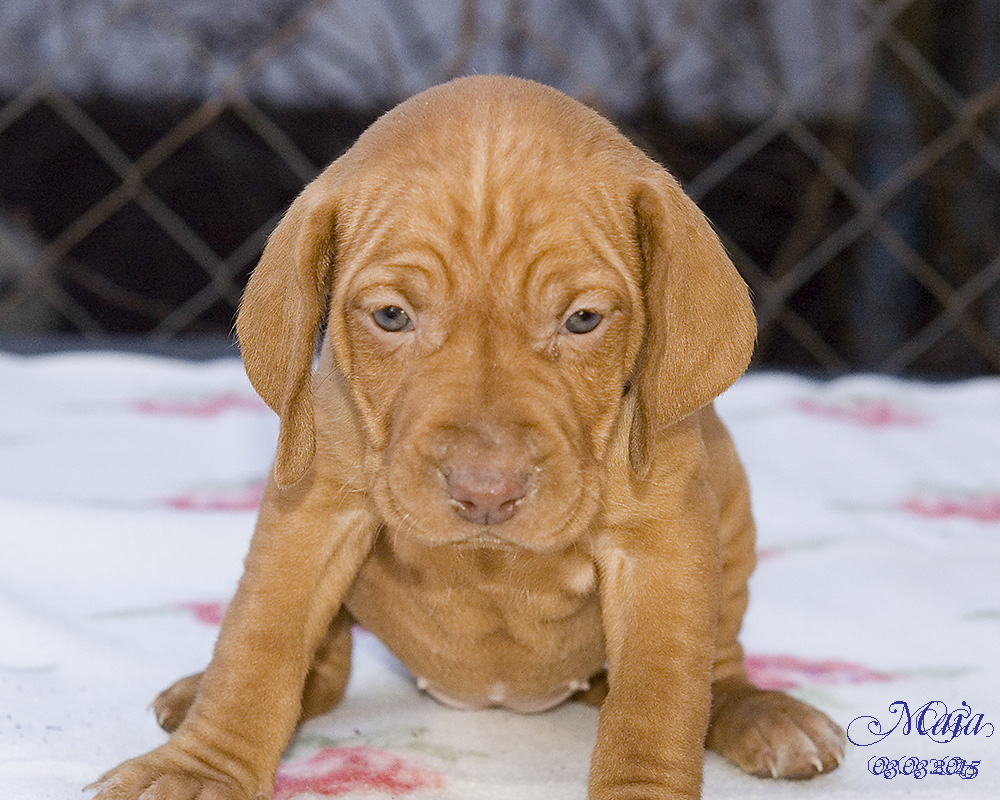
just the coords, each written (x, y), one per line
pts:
(209, 406)
(241, 498)
(202, 612)
(336, 771)
(865, 412)
(205, 613)
(979, 507)
(789, 672)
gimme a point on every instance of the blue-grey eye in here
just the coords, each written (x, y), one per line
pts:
(392, 319)
(583, 321)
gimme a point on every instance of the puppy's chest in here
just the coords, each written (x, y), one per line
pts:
(505, 585)
(484, 626)
(483, 603)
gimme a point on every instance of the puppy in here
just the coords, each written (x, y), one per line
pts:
(506, 464)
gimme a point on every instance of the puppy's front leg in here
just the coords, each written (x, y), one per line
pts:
(310, 541)
(658, 575)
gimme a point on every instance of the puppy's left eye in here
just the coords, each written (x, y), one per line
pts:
(392, 319)
(583, 321)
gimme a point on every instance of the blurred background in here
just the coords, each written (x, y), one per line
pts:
(848, 151)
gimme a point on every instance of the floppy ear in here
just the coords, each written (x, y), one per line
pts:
(279, 318)
(700, 326)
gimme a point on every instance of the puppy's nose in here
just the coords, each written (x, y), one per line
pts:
(486, 496)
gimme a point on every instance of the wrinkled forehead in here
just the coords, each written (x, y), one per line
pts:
(495, 212)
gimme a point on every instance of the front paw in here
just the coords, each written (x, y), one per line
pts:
(163, 775)
(770, 734)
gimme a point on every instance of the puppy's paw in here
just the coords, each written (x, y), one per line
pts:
(770, 734)
(158, 776)
(172, 704)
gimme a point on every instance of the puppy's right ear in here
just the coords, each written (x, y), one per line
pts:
(279, 318)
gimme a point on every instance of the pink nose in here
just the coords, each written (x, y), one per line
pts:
(486, 496)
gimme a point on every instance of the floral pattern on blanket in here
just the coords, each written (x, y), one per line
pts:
(864, 412)
(784, 672)
(199, 406)
(977, 506)
(236, 497)
(205, 613)
(337, 771)
(393, 762)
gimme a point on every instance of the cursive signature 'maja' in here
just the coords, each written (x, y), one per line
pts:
(932, 719)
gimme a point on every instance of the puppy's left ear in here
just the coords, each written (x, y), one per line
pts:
(279, 318)
(700, 326)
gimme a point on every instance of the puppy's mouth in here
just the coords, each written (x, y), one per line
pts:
(536, 509)
(488, 540)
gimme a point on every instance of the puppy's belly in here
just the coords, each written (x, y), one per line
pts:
(483, 627)
(499, 697)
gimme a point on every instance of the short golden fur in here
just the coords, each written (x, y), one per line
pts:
(506, 465)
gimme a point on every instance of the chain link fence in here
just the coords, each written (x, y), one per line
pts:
(847, 150)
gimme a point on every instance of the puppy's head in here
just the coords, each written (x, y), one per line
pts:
(508, 280)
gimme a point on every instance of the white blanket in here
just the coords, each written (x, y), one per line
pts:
(127, 494)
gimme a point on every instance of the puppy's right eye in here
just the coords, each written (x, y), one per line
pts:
(583, 321)
(392, 319)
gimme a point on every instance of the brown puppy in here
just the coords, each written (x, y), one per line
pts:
(506, 464)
